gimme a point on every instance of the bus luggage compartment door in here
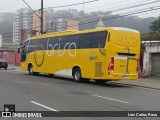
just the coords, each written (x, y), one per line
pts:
(120, 65)
(125, 65)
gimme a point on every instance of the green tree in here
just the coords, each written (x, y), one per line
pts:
(155, 25)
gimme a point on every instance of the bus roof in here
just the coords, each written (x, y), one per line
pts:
(125, 29)
(54, 33)
(68, 32)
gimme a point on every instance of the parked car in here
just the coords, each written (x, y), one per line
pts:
(3, 64)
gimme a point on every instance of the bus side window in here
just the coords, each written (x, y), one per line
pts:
(99, 39)
(53, 43)
(86, 40)
(74, 39)
(31, 46)
(63, 41)
(44, 43)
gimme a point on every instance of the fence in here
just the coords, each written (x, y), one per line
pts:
(11, 58)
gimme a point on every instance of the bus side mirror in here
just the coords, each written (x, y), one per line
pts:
(18, 50)
(21, 44)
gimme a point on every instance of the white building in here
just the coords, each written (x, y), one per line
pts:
(23, 19)
(151, 59)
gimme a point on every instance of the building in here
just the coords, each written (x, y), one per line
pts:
(63, 24)
(151, 59)
(62, 20)
(37, 22)
(72, 24)
(23, 19)
(26, 34)
(0, 40)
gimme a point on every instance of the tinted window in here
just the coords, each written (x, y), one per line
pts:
(52, 43)
(26, 47)
(26, 43)
(63, 42)
(85, 40)
(40, 44)
(44, 43)
(74, 39)
(99, 39)
(31, 47)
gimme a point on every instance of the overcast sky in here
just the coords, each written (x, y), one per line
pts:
(103, 5)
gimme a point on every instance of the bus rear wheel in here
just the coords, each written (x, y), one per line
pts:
(77, 75)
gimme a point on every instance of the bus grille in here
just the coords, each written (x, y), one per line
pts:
(98, 69)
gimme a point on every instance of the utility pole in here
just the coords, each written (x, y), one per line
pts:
(41, 16)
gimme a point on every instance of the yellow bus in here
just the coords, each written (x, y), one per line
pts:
(100, 54)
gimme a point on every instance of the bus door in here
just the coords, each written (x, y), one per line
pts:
(23, 48)
(23, 54)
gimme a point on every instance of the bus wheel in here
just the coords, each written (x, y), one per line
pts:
(77, 75)
(30, 70)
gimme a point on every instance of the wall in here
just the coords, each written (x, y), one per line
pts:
(154, 48)
(11, 58)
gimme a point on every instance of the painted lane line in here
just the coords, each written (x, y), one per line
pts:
(44, 106)
(44, 84)
(110, 99)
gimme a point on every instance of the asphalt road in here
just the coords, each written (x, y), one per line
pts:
(43, 93)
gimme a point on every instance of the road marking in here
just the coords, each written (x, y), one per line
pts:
(110, 99)
(44, 84)
(44, 106)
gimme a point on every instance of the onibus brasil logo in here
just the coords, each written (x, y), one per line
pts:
(9, 111)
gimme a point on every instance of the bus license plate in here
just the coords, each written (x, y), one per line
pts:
(125, 76)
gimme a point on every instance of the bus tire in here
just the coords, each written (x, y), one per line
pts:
(77, 75)
(30, 69)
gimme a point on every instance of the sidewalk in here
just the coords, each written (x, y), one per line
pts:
(153, 83)
(13, 67)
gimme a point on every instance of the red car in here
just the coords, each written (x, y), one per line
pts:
(3, 64)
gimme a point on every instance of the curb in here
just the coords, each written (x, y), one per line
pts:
(136, 85)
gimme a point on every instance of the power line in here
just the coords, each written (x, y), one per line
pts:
(44, 8)
(121, 9)
(31, 9)
(119, 5)
(38, 10)
(113, 17)
(94, 21)
(6, 4)
(74, 4)
(133, 6)
(137, 12)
